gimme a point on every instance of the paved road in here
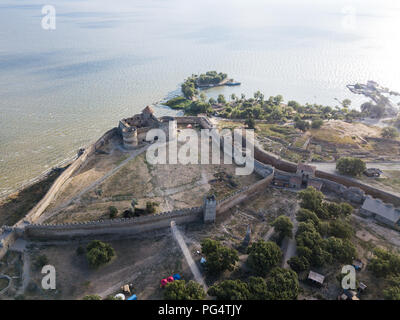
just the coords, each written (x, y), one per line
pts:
(192, 265)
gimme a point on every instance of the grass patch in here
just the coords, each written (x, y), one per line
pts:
(178, 103)
(331, 136)
(266, 130)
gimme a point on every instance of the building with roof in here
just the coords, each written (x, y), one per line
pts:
(380, 211)
(316, 278)
(134, 130)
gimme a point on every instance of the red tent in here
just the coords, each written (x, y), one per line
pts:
(170, 279)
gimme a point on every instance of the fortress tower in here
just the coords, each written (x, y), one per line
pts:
(134, 130)
(210, 209)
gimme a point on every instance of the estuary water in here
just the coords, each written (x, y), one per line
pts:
(61, 89)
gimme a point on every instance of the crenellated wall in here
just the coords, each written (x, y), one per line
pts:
(130, 226)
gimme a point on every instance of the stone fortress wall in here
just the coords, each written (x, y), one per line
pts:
(265, 165)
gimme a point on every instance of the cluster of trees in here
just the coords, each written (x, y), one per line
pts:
(386, 264)
(389, 133)
(211, 77)
(188, 88)
(274, 111)
(373, 110)
(350, 166)
(180, 290)
(323, 233)
(99, 253)
(281, 284)
(263, 259)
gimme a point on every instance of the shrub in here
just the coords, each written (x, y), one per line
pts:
(99, 253)
(317, 123)
(389, 133)
(113, 211)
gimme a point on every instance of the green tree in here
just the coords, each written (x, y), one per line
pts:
(283, 226)
(99, 253)
(385, 263)
(350, 166)
(341, 250)
(221, 99)
(230, 290)
(282, 284)
(151, 207)
(317, 123)
(299, 264)
(257, 288)
(346, 103)
(389, 133)
(250, 122)
(341, 229)
(346, 209)
(179, 290)
(113, 211)
(218, 257)
(311, 199)
(392, 292)
(263, 256)
(305, 215)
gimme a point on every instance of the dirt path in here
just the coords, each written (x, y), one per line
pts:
(192, 265)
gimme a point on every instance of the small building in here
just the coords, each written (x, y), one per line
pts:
(382, 212)
(316, 278)
(373, 172)
(305, 170)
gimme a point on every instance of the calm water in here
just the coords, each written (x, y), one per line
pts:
(61, 89)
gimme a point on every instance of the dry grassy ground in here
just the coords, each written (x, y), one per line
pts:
(172, 186)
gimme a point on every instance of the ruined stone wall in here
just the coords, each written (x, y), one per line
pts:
(41, 206)
(243, 194)
(121, 227)
(337, 183)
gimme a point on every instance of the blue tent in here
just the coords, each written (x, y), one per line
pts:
(133, 297)
(176, 276)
